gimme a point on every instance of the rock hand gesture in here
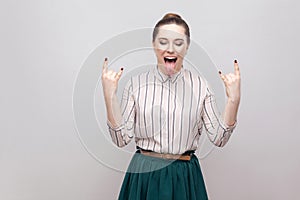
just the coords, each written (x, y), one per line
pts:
(232, 82)
(110, 80)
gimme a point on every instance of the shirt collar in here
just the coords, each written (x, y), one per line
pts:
(163, 77)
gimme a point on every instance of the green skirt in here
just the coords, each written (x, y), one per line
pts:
(149, 178)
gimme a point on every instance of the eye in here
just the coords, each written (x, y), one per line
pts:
(163, 42)
(178, 44)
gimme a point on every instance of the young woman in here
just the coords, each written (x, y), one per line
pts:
(165, 110)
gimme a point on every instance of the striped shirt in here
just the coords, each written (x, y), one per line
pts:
(166, 114)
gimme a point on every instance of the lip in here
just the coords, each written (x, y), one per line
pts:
(170, 58)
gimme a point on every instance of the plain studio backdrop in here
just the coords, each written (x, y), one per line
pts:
(45, 43)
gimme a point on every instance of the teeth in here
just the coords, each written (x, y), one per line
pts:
(170, 59)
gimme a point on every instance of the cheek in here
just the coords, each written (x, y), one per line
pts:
(161, 47)
(180, 50)
(159, 52)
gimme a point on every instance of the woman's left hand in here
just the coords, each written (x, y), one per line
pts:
(232, 83)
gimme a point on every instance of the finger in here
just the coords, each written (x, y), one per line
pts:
(231, 75)
(113, 74)
(229, 78)
(223, 77)
(104, 69)
(236, 68)
(119, 74)
(110, 73)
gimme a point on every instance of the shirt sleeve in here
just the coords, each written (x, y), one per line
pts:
(217, 130)
(121, 135)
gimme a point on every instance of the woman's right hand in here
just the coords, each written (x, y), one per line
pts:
(110, 80)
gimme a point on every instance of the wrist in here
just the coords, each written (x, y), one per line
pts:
(233, 100)
(231, 123)
(110, 98)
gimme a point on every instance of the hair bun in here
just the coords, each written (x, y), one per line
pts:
(171, 15)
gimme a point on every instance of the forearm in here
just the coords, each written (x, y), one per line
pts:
(113, 110)
(231, 110)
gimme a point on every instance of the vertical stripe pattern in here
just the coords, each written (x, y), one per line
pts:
(167, 114)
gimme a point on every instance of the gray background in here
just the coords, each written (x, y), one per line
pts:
(44, 43)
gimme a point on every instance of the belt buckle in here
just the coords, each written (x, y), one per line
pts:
(167, 156)
(170, 157)
(164, 156)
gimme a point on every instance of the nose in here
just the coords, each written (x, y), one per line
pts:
(170, 49)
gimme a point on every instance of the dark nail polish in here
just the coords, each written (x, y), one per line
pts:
(220, 72)
(235, 61)
(105, 59)
(122, 68)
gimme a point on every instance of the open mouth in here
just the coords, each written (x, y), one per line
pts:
(170, 63)
(170, 60)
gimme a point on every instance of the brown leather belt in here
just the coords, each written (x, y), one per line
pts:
(166, 155)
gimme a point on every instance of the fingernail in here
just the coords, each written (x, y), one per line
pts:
(235, 61)
(122, 68)
(220, 72)
(105, 59)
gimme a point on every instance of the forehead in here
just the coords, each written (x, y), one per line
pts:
(171, 31)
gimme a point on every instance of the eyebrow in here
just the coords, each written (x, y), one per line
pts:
(161, 38)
